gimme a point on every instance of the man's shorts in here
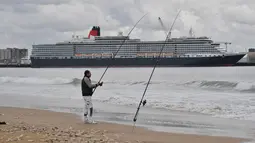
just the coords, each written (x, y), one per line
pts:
(88, 101)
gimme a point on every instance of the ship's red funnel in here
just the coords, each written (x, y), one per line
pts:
(95, 31)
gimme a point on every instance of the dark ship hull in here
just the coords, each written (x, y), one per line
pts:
(227, 60)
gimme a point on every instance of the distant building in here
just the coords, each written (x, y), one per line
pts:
(12, 55)
(251, 55)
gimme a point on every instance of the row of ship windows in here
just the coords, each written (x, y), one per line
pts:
(53, 50)
(90, 52)
(117, 46)
(134, 49)
(129, 51)
(117, 54)
(94, 51)
(145, 45)
(51, 55)
(112, 48)
(121, 51)
(177, 56)
(159, 45)
(145, 49)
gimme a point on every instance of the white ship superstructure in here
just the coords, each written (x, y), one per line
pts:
(96, 50)
(106, 46)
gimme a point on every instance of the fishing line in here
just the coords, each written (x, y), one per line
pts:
(119, 49)
(144, 102)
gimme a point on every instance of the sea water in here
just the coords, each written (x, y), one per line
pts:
(200, 100)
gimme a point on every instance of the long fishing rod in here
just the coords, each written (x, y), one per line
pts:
(144, 102)
(119, 49)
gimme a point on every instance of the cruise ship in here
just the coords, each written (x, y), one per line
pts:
(101, 51)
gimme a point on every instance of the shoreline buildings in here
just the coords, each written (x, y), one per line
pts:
(14, 56)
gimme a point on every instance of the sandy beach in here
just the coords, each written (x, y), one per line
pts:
(32, 125)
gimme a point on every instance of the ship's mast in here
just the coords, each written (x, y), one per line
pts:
(163, 26)
(120, 33)
(191, 33)
(226, 45)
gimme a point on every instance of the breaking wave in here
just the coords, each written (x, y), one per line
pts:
(204, 84)
(229, 108)
(223, 85)
(36, 80)
(220, 106)
(61, 80)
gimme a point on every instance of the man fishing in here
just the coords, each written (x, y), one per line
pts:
(87, 91)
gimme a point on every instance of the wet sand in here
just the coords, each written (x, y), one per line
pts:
(33, 125)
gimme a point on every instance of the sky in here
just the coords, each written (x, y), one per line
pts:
(27, 22)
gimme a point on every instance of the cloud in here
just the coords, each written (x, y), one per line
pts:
(37, 2)
(243, 14)
(27, 22)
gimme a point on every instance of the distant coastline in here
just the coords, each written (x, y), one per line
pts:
(29, 65)
(15, 65)
(244, 64)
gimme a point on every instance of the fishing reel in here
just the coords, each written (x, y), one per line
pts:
(144, 102)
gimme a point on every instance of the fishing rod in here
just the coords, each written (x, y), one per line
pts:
(119, 49)
(144, 101)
